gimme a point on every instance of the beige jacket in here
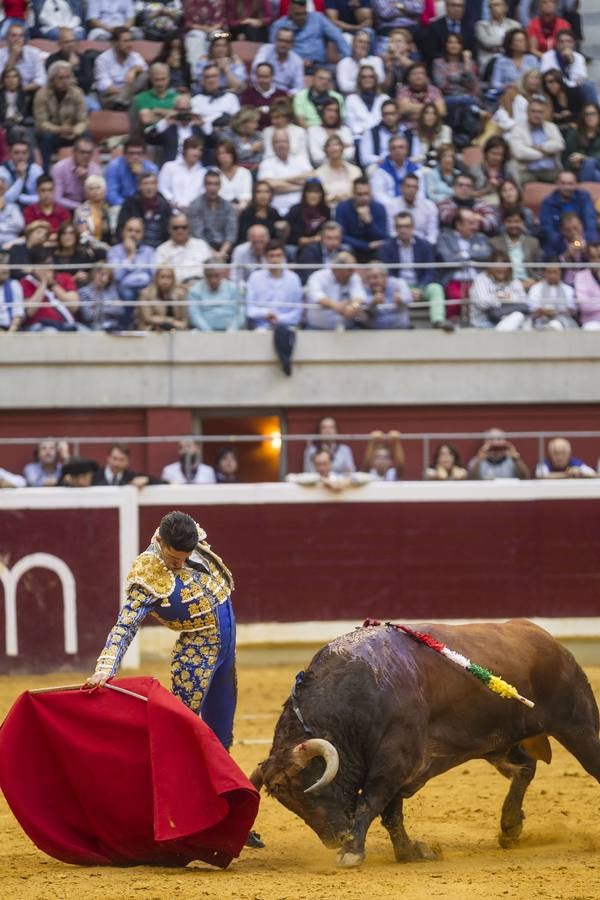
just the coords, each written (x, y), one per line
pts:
(49, 113)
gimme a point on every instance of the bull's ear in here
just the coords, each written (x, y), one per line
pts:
(256, 777)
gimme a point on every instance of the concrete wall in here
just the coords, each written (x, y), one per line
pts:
(99, 371)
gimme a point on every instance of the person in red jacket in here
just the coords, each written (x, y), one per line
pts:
(543, 29)
(46, 209)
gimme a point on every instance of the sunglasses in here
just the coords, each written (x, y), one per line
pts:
(180, 227)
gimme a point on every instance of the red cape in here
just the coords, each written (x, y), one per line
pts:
(102, 778)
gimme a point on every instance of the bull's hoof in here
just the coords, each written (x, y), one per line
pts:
(510, 838)
(350, 860)
(417, 851)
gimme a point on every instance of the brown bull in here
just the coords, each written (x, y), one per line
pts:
(386, 714)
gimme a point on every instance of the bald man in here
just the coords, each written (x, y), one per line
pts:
(560, 462)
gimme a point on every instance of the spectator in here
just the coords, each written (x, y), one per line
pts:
(464, 198)
(227, 466)
(10, 480)
(160, 19)
(182, 180)
(521, 248)
(236, 181)
(213, 219)
(307, 102)
(462, 245)
(491, 32)
(281, 119)
(339, 295)
(151, 207)
(133, 261)
(46, 209)
(497, 458)
(433, 39)
(288, 67)
(171, 132)
(430, 135)
(70, 252)
(117, 71)
(92, 218)
(347, 69)
(273, 293)
(515, 60)
(247, 141)
(398, 56)
(560, 462)
(350, 18)
(388, 299)
(188, 469)
(320, 253)
(48, 459)
(495, 167)
(566, 102)
(12, 311)
(56, 14)
(11, 217)
(123, 172)
(36, 235)
(27, 59)
(214, 302)
(439, 179)
(537, 146)
(401, 253)
(213, 106)
(311, 32)
(455, 74)
(116, 471)
(496, 300)
(183, 253)
(363, 221)
(514, 103)
(82, 64)
(364, 106)
(566, 198)
(415, 93)
(248, 256)
(336, 175)
(331, 124)
(286, 173)
(101, 308)
(153, 104)
(544, 28)
(342, 460)
(384, 457)
(510, 198)
(158, 306)
(324, 476)
(78, 472)
(69, 174)
(375, 141)
(200, 18)
(582, 145)
(232, 71)
(261, 93)
(386, 181)
(21, 174)
(571, 64)
(258, 212)
(51, 299)
(306, 217)
(587, 290)
(249, 20)
(173, 53)
(445, 465)
(552, 302)
(15, 103)
(424, 212)
(107, 17)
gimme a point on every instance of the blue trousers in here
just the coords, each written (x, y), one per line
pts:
(203, 673)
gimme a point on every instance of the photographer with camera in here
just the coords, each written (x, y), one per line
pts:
(173, 129)
(497, 458)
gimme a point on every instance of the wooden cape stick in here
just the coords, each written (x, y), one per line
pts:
(77, 687)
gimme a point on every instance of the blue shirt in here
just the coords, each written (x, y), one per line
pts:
(356, 233)
(266, 294)
(310, 40)
(219, 310)
(121, 182)
(131, 272)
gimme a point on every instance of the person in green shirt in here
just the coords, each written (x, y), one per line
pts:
(152, 104)
(307, 102)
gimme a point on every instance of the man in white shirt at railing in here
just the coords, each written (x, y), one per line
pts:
(185, 254)
(273, 294)
(188, 469)
(248, 256)
(339, 294)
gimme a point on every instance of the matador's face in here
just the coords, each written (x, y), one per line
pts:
(173, 559)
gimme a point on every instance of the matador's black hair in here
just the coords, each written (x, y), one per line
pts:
(178, 531)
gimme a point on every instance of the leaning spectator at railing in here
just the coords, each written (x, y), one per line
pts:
(181, 180)
(311, 32)
(171, 131)
(285, 173)
(183, 253)
(104, 17)
(161, 305)
(461, 245)
(123, 172)
(262, 92)
(213, 219)
(552, 301)
(247, 257)
(101, 308)
(189, 468)
(336, 174)
(153, 104)
(214, 302)
(119, 72)
(496, 299)
(587, 290)
(363, 221)
(273, 293)
(288, 67)
(48, 459)
(12, 222)
(567, 198)
(560, 462)
(133, 261)
(401, 253)
(388, 299)
(522, 249)
(21, 174)
(324, 475)
(424, 212)
(69, 174)
(307, 103)
(59, 112)
(150, 206)
(320, 253)
(28, 60)
(12, 311)
(497, 458)
(537, 145)
(445, 465)
(36, 235)
(10, 480)
(116, 472)
(46, 209)
(51, 299)
(384, 457)
(342, 460)
(339, 296)
(463, 197)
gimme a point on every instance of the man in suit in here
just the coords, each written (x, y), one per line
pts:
(432, 40)
(171, 130)
(407, 254)
(116, 473)
(461, 245)
(320, 253)
(363, 221)
(521, 248)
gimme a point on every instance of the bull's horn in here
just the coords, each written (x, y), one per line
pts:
(307, 750)
(256, 777)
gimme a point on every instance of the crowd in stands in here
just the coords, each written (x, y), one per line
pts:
(327, 461)
(386, 150)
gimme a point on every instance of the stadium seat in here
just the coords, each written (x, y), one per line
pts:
(148, 50)
(106, 124)
(93, 45)
(534, 193)
(44, 45)
(593, 187)
(472, 156)
(246, 50)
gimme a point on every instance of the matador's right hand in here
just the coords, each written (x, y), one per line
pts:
(96, 680)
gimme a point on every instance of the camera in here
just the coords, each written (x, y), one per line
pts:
(184, 117)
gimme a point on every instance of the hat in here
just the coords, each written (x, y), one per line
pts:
(37, 223)
(79, 465)
(284, 339)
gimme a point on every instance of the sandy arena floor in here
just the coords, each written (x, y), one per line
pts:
(559, 856)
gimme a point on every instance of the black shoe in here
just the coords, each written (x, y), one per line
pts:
(253, 840)
(445, 325)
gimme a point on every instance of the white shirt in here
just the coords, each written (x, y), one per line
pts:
(358, 117)
(575, 73)
(15, 481)
(383, 186)
(278, 294)
(180, 184)
(238, 188)
(211, 108)
(297, 139)
(346, 72)
(241, 263)
(186, 259)
(317, 138)
(322, 284)
(425, 216)
(174, 475)
(109, 72)
(276, 168)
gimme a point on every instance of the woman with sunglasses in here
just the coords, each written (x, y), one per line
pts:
(582, 150)
(566, 102)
